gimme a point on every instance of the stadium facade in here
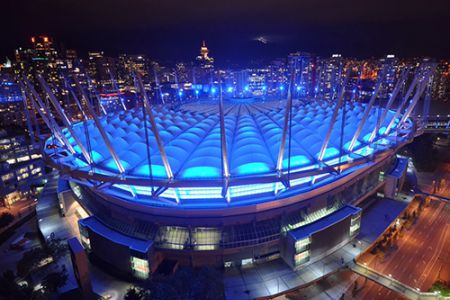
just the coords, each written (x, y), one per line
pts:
(228, 182)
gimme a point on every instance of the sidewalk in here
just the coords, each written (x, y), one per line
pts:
(50, 221)
(276, 277)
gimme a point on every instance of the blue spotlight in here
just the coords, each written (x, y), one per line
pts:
(230, 89)
(264, 88)
(180, 93)
(213, 90)
(281, 87)
(246, 88)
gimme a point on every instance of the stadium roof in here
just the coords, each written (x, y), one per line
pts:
(192, 139)
(189, 144)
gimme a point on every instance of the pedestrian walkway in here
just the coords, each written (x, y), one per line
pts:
(51, 223)
(391, 283)
(275, 277)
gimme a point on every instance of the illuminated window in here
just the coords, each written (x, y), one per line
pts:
(7, 176)
(381, 176)
(302, 257)
(354, 229)
(247, 261)
(302, 245)
(355, 224)
(34, 171)
(174, 237)
(140, 267)
(206, 238)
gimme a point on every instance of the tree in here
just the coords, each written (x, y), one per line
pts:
(186, 284)
(11, 290)
(422, 150)
(57, 248)
(135, 293)
(5, 219)
(53, 281)
(212, 283)
(31, 260)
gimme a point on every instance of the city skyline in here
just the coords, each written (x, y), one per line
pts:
(236, 32)
(216, 150)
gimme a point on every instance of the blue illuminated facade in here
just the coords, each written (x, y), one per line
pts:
(192, 142)
(202, 216)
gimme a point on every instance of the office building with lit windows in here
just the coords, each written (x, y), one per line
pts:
(21, 168)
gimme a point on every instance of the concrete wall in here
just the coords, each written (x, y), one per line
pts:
(110, 252)
(324, 241)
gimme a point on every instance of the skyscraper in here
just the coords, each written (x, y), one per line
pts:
(330, 76)
(205, 66)
(305, 72)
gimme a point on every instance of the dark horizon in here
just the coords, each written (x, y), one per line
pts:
(172, 31)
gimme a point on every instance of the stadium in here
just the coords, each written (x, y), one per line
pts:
(225, 182)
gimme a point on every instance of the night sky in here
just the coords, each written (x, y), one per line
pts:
(170, 31)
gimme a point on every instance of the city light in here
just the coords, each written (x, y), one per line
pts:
(270, 159)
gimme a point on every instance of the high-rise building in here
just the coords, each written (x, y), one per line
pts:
(133, 63)
(205, 66)
(241, 80)
(330, 76)
(21, 168)
(277, 75)
(41, 58)
(305, 72)
(257, 82)
(183, 73)
(204, 59)
(389, 68)
(11, 103)
(441, 83)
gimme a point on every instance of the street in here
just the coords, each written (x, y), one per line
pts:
(421, 256)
